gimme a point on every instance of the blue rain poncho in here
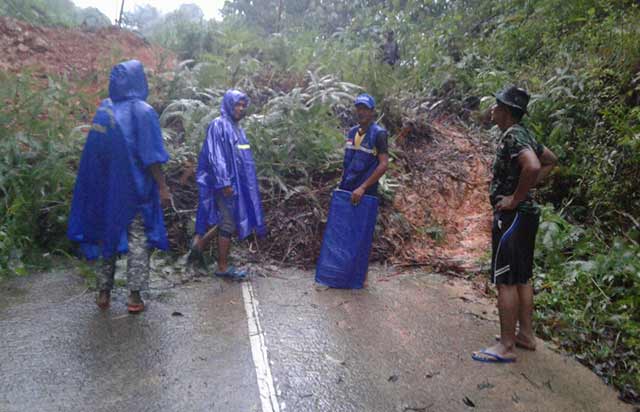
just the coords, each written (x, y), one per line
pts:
(114, 183)
(226, 160)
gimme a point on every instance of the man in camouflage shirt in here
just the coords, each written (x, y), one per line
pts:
(521, 163)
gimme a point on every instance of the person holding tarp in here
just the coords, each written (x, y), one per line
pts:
(521, 163)
(344, 257)
(229, 196)
(116, 205)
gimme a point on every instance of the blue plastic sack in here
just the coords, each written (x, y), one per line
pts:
(348, 236)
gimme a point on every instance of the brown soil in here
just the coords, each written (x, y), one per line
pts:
(439, 215)
(76, 53)
(445, 198)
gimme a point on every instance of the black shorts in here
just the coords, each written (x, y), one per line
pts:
(513, 243)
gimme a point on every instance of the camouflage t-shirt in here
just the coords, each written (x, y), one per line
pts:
(506, 168)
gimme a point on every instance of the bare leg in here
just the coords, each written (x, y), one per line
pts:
(198, 245)
(224, 246)
(197, 242)
(201, 242)
(526, 337)
(508, 305)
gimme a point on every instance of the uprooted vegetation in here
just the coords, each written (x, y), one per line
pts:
(578, 58)
(297, 135)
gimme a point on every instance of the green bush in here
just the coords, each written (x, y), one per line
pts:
(37, 168)
(588, 297)
(580, 59)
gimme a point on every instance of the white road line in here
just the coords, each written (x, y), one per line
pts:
(266, 387)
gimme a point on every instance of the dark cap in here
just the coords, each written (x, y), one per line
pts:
(515, 97)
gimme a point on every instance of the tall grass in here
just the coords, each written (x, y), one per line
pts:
(39, 154)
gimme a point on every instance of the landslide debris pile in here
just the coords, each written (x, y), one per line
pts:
(434, 204)
(78, 53)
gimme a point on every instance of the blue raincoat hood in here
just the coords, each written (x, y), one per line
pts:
(226, 160)
(114, 183)
(229, 101)
(128, 81)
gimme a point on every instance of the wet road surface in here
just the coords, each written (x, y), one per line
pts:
(402, 345)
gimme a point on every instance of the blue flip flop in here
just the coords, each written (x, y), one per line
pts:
(233, 273)
(490, 357)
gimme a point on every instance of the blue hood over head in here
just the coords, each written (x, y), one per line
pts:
(229, 101)
(128, 81)
(114, 182)
(226, 160)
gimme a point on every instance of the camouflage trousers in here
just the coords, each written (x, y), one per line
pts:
(137, 261)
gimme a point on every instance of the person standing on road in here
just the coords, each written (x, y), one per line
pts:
(521, 163)
(346, 245)
(229, 196)
(116, 205)
(366, 157)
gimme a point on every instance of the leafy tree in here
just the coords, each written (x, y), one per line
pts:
(142, 17)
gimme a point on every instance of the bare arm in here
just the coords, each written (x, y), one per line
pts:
(383, 165)
(548, 161)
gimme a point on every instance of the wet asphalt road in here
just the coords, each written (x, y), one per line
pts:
(402, 345)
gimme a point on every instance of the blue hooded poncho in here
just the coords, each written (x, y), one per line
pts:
(226, 160)
(114, 183)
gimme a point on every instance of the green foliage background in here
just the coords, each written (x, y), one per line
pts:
(580, 59)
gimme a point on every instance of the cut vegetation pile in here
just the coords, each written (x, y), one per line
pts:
(434, 203)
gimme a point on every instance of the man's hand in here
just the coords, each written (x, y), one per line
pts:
(163, 189)
(165, 196)
(356, 196)
(506, 203)
(227, 191)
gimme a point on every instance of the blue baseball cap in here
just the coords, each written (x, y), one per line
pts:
(367, 100)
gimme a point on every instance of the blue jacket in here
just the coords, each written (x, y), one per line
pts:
(226, 160)
(114, 183)
(360, 163)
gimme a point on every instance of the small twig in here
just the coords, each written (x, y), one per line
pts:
(631, 218)
(600, 289)
(286, 255)
(530, 381)
(454, 177)
(179, 212)
(75, 297)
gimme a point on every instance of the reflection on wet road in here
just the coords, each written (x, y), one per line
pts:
(274, 345)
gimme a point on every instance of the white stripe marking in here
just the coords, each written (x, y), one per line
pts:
(266, 387)
(495, 264)
(362, 149)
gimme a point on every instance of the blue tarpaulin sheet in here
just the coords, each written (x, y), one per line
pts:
(348, 236)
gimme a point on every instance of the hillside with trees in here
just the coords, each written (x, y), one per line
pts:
(302, 62)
